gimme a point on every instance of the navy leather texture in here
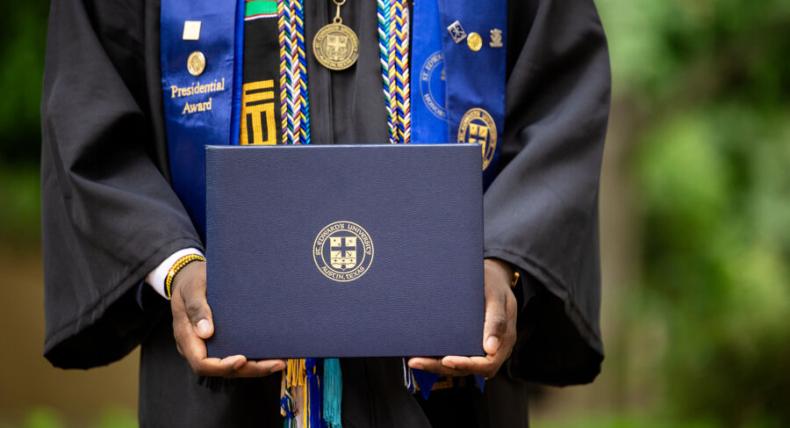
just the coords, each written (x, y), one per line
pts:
(421, 205)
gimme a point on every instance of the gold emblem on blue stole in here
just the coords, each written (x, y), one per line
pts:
(475, 42)
(478, 127)
(257, 114)
(343, 251)
(496, 38)
(196, 63)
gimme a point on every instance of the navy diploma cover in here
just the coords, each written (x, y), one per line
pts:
(345, 251)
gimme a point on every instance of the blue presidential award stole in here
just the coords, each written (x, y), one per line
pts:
(200, 44)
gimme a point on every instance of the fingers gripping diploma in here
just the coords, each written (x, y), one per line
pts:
(193, 325)
(499, 331)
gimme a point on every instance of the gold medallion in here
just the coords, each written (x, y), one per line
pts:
(336, 46)
(474, 41)
(196, 63)
(479, 127)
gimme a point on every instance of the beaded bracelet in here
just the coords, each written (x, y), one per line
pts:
(181, 263)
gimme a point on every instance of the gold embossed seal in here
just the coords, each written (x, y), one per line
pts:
(343, 251)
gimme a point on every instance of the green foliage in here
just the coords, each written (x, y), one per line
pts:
(44, 417)
(640, 421)
(117, 418)
(715, 48)
(23, 33)
(716, 253)
(712, 79)
(19, 215)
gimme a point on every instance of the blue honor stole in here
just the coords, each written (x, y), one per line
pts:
(459, 72)
(201, 46)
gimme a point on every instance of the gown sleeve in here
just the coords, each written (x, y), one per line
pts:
(109, 215)
(541, 212)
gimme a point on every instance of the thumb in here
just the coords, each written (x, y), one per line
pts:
(196, 305)
(495, 322)
(199, 315)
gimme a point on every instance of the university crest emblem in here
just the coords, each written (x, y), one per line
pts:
(478, 127)
(343, 251)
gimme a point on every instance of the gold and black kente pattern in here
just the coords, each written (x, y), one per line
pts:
(258, 121)
(260, 111)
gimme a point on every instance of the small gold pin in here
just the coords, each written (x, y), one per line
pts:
(196, 63)
(496, 38)
(191, 30)
(475, 42)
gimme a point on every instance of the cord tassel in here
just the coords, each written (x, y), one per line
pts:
(333, 393)
(314, 392)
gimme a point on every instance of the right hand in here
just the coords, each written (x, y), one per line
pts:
(192, 325)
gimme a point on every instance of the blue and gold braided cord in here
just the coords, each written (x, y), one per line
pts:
(401, 9)
(293, 74)
(293, 96)
(391, 71)
(393, 30)
(383, 14)
(284, 38)
(301, 97)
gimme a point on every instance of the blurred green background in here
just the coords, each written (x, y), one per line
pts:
(695, 222)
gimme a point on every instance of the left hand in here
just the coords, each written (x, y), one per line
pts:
(499, 331)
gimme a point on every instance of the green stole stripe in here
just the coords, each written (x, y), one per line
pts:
(260, 7)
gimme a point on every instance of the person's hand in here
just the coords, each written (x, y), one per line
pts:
(192, 325)
(499, 332)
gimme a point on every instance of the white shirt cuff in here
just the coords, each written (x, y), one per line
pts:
(156, 278)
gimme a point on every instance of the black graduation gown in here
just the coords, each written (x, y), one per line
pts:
(109, 215)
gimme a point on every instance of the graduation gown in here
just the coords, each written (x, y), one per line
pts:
(110, 216)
